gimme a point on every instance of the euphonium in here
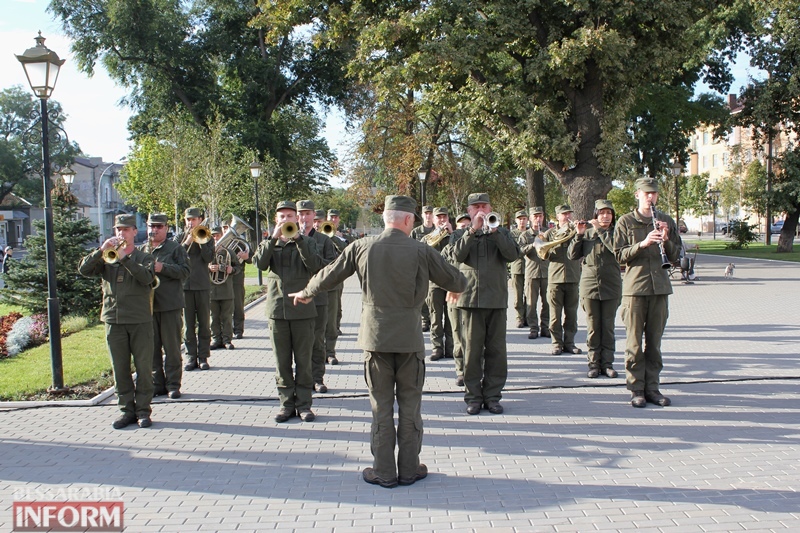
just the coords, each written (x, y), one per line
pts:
(327, 228)
(222, 257)
(111, 255)
(543, 248)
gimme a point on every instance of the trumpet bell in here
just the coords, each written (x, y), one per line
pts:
(493, 220)
(111, 255)
(201, 234)
(290, 230)
(328, 229)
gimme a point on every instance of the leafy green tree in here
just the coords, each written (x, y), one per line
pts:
(26, 281)
(20, 143)
(210, 58)
(551, 83)
(771, 104)
(754, 188)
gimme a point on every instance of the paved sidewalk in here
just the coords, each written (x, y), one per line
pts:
(569, 454)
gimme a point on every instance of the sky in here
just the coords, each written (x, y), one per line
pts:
(95, 119)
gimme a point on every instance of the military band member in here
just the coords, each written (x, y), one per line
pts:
(172, 268)
(518, 271)
(319, 218)
(418, 233)
(327, 253)
(600, 286)
(453, 313)
(238, 289)
(333, 325)
(535, 277)
(196, 290)
(645, 290)
(222, 295)
(394, 271)
(441, 326)
(482, 254)
(127, 288)
(291, 263)
(563, 275)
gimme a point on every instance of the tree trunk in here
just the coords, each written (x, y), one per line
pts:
(583, 190)
(535, 182)
(786, 239)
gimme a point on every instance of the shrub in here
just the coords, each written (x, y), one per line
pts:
(6, 324)
(742, 234)
(73, 324)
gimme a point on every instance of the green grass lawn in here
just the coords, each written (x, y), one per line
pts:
(85, 358)
(8, 308)
(755, 250)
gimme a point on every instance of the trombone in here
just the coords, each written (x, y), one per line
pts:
(290, 230)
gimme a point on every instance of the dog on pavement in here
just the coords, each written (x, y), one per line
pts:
(729, 270)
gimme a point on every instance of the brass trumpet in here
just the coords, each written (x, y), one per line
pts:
(111, 255)
(492, 221)
(290, 230)
(327, 228)
(201, 234)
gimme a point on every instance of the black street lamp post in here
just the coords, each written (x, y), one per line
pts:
(255, 171)
(41, 67)
(713, 196)
(423, 175)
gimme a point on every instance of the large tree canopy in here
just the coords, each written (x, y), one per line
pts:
(208, 57)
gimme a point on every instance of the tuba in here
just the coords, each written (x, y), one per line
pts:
(233, 242)
(111, 255)
(543, 248)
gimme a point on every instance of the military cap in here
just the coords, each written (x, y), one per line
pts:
(463, 216)
(306, 205)
(563, 208)
(193, 212)
(286, 205)
(125, 221)
(216, 229)
(400, 203)
(157, 218)
(333, 212)
(603, 204)
(647, 184)
(319, 214)
(538, 210)
(440, 211)
(520, 213)
(427, 209)
(478, 198)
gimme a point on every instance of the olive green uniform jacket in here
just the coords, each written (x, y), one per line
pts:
(643, 273)
(517, 267)
(174, 272)
(535, 267)
(600, 277)
(561, 269)
(482, 258)
(291, 264)
(391, 298)
(420, 231)
(126, 286)
(200, 255)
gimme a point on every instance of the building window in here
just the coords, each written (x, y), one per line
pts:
(705, 162)
(725, 160)
(714, 161)
(706, 138)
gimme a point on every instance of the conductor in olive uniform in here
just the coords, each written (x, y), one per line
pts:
(482, 254)
(600, 286)
(645, 290)
(126, 313)
(563, 275)
(291, 261)
(535, 277)
(197, 290)
(394, 272)
(172, 268)
(518, 271)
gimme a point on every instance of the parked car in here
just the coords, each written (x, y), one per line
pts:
(777, 227)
